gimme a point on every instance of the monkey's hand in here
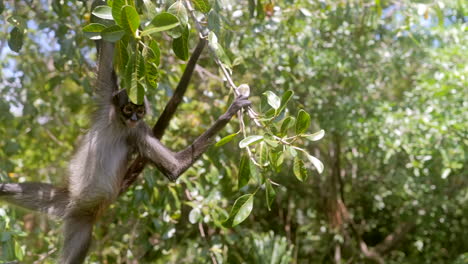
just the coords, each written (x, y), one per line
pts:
(239, 103)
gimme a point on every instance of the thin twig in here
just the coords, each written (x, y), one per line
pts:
(202, 31)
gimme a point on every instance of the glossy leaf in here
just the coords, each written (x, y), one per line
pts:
(93, 31)
(316, 162)
(244, 172)
(117, 10)
(288, 122)
(240, 210)
(161, 22)
(315, 136)
(302, 122)
(180, 45)
(250, 140)
(226, 139)
(104, 12)
(285, 99)
(130, 20)
(273, 100)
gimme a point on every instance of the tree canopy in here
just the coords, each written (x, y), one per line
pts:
(358, 153)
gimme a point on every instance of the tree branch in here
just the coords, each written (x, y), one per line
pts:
(393, 239)
(159, 128)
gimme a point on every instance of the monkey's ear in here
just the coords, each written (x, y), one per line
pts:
(120, 98)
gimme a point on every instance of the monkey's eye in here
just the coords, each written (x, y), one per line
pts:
(128, 109)
(141, 112)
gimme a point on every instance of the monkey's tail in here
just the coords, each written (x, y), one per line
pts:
(36, 196)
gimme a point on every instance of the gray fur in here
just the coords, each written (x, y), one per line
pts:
(97, 168)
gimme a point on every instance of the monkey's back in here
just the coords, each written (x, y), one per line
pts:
(99, 164)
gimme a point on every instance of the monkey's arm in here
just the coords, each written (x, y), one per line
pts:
(174, 164)
(106, 79)
(163, 122)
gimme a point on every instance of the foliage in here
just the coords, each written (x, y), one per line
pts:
(385, 80)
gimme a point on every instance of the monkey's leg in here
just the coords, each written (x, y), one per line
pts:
(78, 231)
(36, 196)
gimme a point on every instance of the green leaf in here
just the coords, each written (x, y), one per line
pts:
(152, 74)
(316, 162)
(264, 153)
(194, 215)
(178, 9)
(226, 139)
(112, 33)
(291, 151)
(150, 8)
(17, 21)
(315, 136)
(152, 55)
(165, 19)
(156, 52)
(269, 193)
(151, 30)
(302, 122)
(180, 45)
(117, 11)
(15, 42)
(378, 8)
(214, 23)
(104, 12)
(2, 6)
(202, 5)
(288, 122)
(273, 100)
(299, 170)
(121, 56)
(216, 47)
(240, 210)
(254, 172)
(285, 99)
(271, 142)
(244, 172)
(93, 30)
(161, 22)
(19, 251)
(249, 140)
(135, 89)
(130, 20)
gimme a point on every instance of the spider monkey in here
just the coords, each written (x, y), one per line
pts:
(97, 169)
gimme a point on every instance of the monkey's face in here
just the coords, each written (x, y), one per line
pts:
(132, 113)
(129, 113)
